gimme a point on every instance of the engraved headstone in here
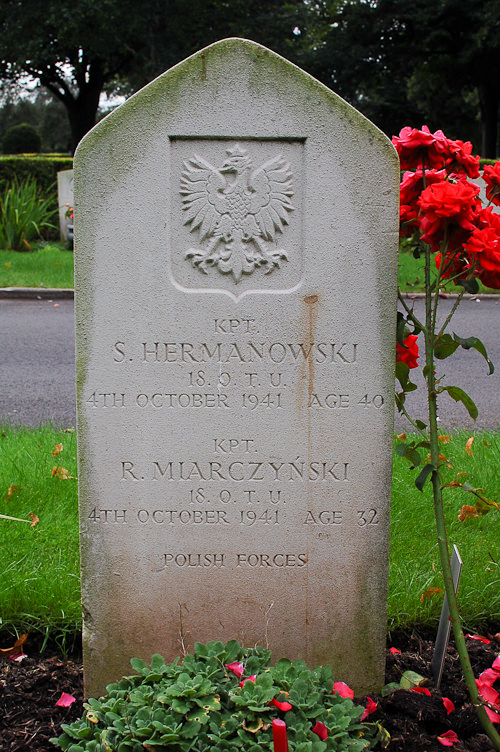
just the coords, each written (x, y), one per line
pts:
(236, 227)
(65, 201)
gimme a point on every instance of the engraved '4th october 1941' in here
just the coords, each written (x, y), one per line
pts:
(238, 212)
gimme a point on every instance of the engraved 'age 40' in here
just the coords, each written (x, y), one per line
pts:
(239, 211)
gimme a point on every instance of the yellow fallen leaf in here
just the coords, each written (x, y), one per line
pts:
(34, 519)
(430, 592)
(62, 473)
(468, 446)
(444, 439)
(57, 449)
(15, 649)
(467, 512)
(11, 491)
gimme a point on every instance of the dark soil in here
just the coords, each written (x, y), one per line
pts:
(29, 690)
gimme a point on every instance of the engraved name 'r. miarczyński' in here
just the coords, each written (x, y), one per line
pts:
(238, 212)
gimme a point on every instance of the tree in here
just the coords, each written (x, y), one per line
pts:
(414, 61)
(76, 51)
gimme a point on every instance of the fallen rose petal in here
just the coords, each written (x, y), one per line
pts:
(496, 664)
(236, 668)
(371, 707)
(281, 705)
(421, 691)
(65, 700)
(280, 740)
(249, 678)
(34, 519)
(18, 658)
(57, 450)
(450, 707)
(343, 690)
(448, 739)
(494, 717)
(321, 730)
(479, 638)
(394, 651)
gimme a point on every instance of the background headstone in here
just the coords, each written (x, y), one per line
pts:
(236, 230)
(65, 196)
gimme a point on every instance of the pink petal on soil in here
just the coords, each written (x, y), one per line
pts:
(65, 700)
(496, 664)
(394, 651)
(448, 739)
(371, 707)
(343, 690)
(494, 717)
(421, 691)
(321, 730)
(478, 638)
(18, 658)
(236, 668)
(281, 705)
(249, 678)
(448, 705)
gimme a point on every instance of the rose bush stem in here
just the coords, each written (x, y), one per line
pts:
(430, 335)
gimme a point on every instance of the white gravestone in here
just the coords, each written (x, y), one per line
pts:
(65, 201)
(236, 229)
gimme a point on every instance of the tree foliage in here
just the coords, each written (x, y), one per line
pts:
(432, 61)
(77, 50)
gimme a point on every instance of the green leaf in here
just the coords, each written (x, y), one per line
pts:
(390, 688)
(445, 346)
(424, 474)
(420, 424)
(411, 679)
(475, 344)
(460, 396)
(470, 285)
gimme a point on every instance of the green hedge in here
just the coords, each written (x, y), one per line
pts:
(42, 167)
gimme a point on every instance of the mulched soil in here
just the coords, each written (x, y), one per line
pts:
(30, 689)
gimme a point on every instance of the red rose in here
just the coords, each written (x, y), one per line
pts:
(459, 159)
(491, 176)
(483, 247)
(448, 211)
(417, 148)
(408, 352)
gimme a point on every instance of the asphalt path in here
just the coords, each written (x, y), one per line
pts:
(37, 371)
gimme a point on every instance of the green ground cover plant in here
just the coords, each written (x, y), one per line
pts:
(49, 265)
(24, 216)
(39, 570)
(223, 697)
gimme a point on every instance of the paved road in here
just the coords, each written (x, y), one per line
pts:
(37, 362)
(37, 382)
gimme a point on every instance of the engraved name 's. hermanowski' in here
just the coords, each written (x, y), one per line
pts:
(238, 211)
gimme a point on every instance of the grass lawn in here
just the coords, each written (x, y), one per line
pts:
(48, 265)
(411, 275)
(39, 574)
(51, 265)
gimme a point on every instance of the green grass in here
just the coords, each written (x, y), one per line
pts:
(49, 265)
(39, 566)
(411, 275)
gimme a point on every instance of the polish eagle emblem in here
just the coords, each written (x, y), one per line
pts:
(238, 212)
